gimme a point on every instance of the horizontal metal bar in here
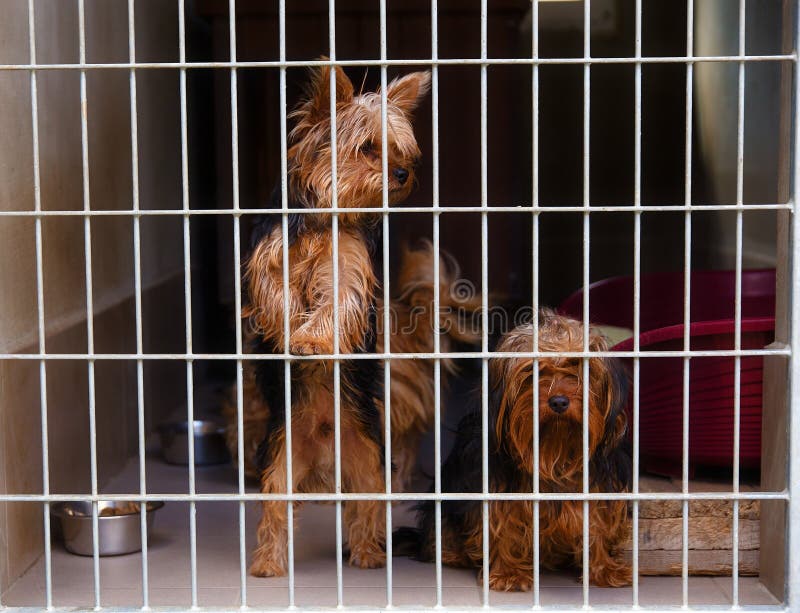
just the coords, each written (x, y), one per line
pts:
(444, 609)
(398, 497)
(466, 355)
(680, 59)
(521, 208)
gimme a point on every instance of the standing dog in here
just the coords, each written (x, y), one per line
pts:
(310, 297)
(560, 390)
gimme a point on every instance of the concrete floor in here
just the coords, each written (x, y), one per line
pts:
(219, 572)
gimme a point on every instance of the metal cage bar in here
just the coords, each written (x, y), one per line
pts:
(405, 496)
(387, 319)
(484, 127)
(637, 290)
(587, 96)
(793, 524)
(395, 356)
(87, 245)
(337, 382)
(237, 290)
(187, 296)
(40, 319)
(437, 365)
(535, 298)
(519, 208)
(287, 369)
(737, 371)
(403, 62)
(687, 288)
(137, 275)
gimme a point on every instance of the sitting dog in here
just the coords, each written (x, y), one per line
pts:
(560, 391)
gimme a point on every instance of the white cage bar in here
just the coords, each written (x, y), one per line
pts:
(586, 208)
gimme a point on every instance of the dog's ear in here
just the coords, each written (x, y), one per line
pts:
(618, 387)
(611, 463)
(497, 391)
(616, 383)
(407, 92)
(319, 90)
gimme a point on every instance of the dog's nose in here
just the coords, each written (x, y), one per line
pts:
(401, 174)
(558, 403)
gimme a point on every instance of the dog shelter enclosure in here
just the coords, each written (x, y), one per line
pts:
(564, 143)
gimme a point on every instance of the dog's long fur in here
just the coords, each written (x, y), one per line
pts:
(560, 466)
(308, 251)
(413, 324)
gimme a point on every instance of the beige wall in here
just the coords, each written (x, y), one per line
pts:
(716, 100)
(63, 244)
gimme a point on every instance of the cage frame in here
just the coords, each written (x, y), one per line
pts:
(783, 351)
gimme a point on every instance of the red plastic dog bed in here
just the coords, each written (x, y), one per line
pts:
(711, 379)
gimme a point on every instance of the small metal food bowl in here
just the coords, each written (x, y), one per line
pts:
(118, 525)
(209, 442)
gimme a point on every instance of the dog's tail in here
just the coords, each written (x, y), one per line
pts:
(407, 542)
(459, 300)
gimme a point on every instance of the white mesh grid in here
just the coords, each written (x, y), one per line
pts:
(536, 208)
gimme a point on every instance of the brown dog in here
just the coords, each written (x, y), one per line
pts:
(560, 389)
(310, 298)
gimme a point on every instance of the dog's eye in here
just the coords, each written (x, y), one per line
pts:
(571, 380)
(367, 148)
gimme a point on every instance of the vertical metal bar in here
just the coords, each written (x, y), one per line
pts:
(87, 245)
(137, 282)
(237, 296)
(436, 296)
(687, 290)
(287, 367)
(535, 301)
(437, 377)
(387, 364)
(586, 254)
(737, 372)
(485, 301)
(187, 290)
(793, 523)
(335, 258)
(42, 332)
(240, 442)
(637, 288)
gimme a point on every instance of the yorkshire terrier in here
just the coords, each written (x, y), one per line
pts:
(412, 328)
(310, 296)
(560, 389)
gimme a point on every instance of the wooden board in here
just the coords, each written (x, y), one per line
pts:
(710, 531)
(707, 563)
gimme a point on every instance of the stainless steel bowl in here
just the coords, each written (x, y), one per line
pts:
(118, 525)
(209, 442)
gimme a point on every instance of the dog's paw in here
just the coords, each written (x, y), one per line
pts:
(619, 575)
(307, 344)
(364, 557)
(267, 564)
(267, 568)
(510, 581)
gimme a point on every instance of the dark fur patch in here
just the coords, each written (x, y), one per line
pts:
(265, 223)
